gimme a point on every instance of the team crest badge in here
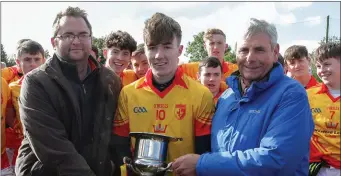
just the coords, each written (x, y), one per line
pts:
(180, 111)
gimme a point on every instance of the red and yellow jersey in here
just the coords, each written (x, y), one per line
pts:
(5, 95)
(325, 142)
(312, 83)
(184, 109)
(127, 77)
(11, 74)
(16, 132)
(192, 70)
(221, 90)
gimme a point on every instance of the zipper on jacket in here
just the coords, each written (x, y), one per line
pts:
(84, 90)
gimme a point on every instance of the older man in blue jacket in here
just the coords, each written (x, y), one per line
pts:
(263, 123)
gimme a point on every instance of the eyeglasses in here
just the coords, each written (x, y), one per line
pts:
(71, 37)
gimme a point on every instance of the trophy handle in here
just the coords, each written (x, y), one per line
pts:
(167, 169)
(128, 162)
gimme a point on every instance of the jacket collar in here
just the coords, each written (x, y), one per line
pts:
(56, 66)
(275, 74)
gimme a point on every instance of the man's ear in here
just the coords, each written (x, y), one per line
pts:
(276, 52)
(181, 47)
(17, 61)
(53, 42)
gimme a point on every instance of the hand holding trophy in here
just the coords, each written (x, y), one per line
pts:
(150, 154)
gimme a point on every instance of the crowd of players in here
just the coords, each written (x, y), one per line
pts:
(153, 82)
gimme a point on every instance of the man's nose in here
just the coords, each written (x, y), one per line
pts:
(159, 53)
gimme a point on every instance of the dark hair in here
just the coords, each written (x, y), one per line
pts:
(70, 12)
(161, 28)
(328, 50)
(95, 50)
(139, 50)
(296, 52)
(21, 41)
(120, 39)
(210, 62)
(30, 47)
(281, 59)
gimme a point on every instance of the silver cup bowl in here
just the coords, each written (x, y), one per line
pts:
(150, 153)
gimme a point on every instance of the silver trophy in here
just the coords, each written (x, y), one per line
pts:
(150, 154)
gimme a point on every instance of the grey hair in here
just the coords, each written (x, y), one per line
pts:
(261, 26)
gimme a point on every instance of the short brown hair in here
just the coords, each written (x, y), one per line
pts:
(30, 47)
(120, 39)
(210, 62)
(326, 51)
(139, 50)
(161, 28)
(70, 12)
(296, 52)
(213, 31)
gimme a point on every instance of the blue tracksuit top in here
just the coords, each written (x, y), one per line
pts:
(266, 132)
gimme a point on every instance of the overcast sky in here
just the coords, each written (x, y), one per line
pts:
(297, 22)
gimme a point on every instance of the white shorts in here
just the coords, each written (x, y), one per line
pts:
(325, 171)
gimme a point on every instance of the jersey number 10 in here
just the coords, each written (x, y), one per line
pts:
(160, 114)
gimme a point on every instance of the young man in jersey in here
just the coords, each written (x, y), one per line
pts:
(30, 55)
(139, 62)
(119, 46)
(215, 45)
(324, 102)
(210, 75)
(6, 168)
(13, 73)
(263, 123)
(165, 101)
(297, 62)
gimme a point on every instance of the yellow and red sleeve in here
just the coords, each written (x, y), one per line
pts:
(121, 119)
(204, 114)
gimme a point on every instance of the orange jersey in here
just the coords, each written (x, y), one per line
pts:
(127, 77)
(5, 95)
(325, 142)
(16, 132)
(192, 69)
(10, 74)
(184, 109)
(221, 90)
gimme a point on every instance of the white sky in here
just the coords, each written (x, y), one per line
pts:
(34, 19)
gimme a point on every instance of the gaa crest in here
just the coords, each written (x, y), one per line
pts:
(180, 111)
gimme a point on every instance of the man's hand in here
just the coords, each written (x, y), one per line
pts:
(185, 165)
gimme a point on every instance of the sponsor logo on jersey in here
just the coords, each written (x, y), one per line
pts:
(316, 110)
(159, 106)
(160, 128)
(140, 110)
(332, 125)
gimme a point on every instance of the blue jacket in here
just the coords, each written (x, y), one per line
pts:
(266, 132)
